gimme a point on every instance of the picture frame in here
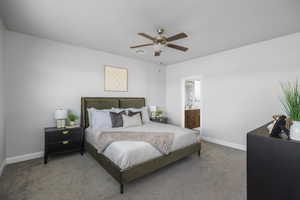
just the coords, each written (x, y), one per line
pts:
(115, 79)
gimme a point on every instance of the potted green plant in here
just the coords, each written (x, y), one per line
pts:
(291, 104)
(158, 113)
(72, 118)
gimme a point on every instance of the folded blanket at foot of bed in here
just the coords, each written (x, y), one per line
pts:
(162, 141)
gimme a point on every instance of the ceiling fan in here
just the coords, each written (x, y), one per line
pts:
(162, 41)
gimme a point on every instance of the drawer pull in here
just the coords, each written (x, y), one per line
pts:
(65, 142)
(65, 132)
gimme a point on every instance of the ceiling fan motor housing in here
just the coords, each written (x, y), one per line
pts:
(160, 31)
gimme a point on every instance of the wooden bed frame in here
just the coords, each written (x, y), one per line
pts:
(136, 171)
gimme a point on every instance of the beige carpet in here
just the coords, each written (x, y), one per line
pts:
(219, 174)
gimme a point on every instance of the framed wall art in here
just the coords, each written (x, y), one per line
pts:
(116, 79)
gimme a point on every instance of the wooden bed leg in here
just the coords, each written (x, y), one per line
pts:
(121, 188)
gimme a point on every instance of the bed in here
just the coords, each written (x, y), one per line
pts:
(122, 159)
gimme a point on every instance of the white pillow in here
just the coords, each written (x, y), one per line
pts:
(101, 119)
(118, 110)
(145, 113)
(91, 115)
(134, 120)
(90, 111)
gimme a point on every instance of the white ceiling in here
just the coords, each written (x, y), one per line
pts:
(112, 25)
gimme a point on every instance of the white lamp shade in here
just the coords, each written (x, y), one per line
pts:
(153, 108)
(60, 114)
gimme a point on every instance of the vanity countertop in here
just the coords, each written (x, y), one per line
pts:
(192, 109)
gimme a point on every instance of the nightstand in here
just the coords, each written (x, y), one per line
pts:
(63, 140)
(163, 120)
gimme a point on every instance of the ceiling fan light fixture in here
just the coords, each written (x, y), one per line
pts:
(160, 31)
(140, 51)
(158, 47)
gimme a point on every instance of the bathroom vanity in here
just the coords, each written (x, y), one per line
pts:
(192, 118)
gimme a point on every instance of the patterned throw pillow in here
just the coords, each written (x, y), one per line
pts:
(131, 113)
(116, 119)
(131, 121)
(145, 114)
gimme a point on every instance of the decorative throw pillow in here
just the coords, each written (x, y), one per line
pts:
(145, 114)
(130, 121)
(116, 119)
(131, 113)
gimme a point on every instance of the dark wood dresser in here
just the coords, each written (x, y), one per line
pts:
(63, 141)
(192, 118)
(273, 167)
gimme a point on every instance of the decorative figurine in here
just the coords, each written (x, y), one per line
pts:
(280, 126)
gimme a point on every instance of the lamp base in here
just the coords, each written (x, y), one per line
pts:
(60, 123)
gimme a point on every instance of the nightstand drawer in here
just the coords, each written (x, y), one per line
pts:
(65, 145)
(61, 135)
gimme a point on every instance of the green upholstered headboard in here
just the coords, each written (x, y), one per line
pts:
(107, 103)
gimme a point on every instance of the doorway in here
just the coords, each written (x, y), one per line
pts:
(192, 103)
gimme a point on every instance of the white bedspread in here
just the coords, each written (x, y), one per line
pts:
(128, 153)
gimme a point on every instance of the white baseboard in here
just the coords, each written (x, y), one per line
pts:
(2, 166)
(225, 143)
(25, 157)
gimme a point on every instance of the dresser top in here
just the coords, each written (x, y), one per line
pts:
(261, 131)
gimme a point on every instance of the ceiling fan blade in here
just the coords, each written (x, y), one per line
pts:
(142, 45)
(176, 37)
(174, 46)
(147, 36)
(157, 53)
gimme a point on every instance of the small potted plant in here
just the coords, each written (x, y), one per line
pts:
(72, 118)
(291, 104)
(158, 113)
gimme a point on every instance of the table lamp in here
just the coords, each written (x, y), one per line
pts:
(60, 117)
